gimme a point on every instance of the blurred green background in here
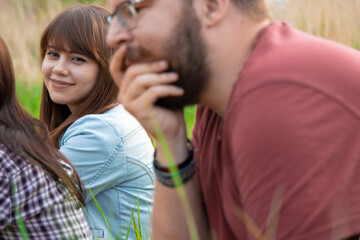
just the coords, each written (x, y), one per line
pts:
(22, 22)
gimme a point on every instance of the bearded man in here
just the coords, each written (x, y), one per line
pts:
(275, 151)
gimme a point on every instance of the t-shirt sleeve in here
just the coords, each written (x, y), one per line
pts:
(95, 149)
(295, 151)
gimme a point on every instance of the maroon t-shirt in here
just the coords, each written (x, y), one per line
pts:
(287, 152)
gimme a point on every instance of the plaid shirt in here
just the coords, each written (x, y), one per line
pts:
(46, 208)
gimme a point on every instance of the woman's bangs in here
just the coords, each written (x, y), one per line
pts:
(66, 37)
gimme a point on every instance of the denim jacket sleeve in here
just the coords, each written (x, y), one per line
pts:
(96, 150)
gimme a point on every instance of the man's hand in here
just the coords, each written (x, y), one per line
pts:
(141, 85)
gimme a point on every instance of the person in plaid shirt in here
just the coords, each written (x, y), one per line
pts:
(39, 198)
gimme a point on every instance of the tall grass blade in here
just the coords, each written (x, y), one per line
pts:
(128, 231)
(138, 212)
(274, 213)
(190, 220)
(147, 233)
(91, 224)
(250, 224)
(19, 221)
(135, 226)
(101, 212)
(272, 221)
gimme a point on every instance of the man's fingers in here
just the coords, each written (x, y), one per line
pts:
(138, 69)
(116, 65)
(150, 96)
(143, 82)
(161, 91)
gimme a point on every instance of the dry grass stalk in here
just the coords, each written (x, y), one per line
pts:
(22, 21)
(332, 19)
(21, 24)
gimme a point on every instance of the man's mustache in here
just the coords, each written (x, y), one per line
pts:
(134, 55)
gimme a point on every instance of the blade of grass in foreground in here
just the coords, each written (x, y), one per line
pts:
(102, 213)
(19, 221)
(250, 224)
(138, 212)
(138, 237)
(91, 224)
(128, 231)
(177, 181)
(147, 204)
(272, 221)
(274, 212)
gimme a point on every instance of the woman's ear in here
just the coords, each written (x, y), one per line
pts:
(214, 11)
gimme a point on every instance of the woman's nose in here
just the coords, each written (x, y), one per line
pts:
(60, 67)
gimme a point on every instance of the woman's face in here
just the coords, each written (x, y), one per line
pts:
(69, 77)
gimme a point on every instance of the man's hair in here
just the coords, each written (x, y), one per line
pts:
(258, 9)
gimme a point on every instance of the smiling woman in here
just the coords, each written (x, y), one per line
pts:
(108, 147)
(69, 77)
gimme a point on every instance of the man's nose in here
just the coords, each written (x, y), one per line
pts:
(117, 34)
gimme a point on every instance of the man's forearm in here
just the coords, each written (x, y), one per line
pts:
(169, 217)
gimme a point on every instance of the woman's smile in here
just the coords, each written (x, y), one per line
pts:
(60, 84)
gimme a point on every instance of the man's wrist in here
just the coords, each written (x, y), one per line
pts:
(177, 149)
(176, 174)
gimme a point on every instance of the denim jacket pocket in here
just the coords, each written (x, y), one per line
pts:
(142, 165)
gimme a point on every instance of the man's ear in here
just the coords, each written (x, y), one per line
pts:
(214, 11)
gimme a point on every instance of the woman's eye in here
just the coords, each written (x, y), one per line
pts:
(52, 54)
(78, 59)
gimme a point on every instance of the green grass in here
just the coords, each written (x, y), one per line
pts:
(25, 235)
(189, 114)
(19, 221)
(30, 97)
(357, 46)
(175, 175)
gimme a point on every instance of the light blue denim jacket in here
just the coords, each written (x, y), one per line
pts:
(113, 155)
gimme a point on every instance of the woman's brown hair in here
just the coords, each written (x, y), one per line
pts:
(80, 29)
(26, 136)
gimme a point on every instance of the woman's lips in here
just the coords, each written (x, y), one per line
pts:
(60, 84)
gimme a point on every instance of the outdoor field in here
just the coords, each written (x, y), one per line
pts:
(24, 20)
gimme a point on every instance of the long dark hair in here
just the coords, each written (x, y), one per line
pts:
(82, 29)
(26, 136)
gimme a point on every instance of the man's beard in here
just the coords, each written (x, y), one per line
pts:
(186, 54)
